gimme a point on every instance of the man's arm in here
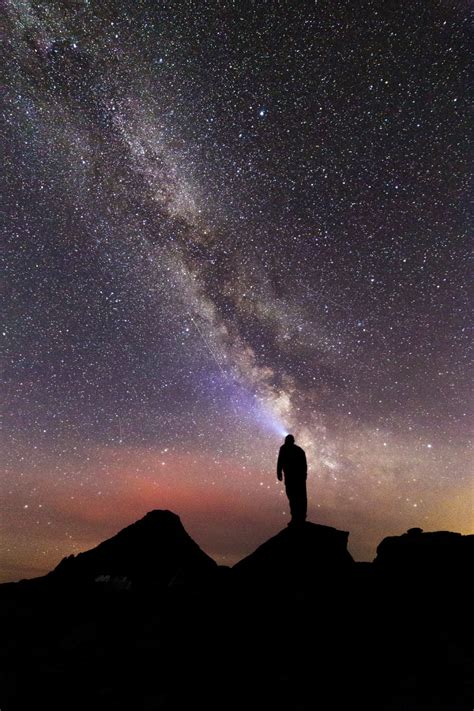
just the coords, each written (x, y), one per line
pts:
(280, 465)
(305, 463)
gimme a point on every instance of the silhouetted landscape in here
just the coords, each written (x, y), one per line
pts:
(146, 620)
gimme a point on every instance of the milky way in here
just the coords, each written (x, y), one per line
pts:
(226, 221)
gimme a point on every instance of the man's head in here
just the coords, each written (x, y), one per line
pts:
(289, 439)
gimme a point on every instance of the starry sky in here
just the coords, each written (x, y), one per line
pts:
(225, 221)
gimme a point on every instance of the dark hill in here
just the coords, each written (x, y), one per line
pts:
(155, 550)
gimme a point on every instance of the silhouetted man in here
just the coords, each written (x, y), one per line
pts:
(292, 461)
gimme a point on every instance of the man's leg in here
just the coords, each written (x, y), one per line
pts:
(291, 498)
(304, 501)
(300, 502)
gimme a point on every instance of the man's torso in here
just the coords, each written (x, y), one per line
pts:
(293, 460)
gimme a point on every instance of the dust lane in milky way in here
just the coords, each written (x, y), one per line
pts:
(224, 222)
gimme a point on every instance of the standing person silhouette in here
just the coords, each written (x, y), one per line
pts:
(292, 462)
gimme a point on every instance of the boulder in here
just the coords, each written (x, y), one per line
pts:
(298, 555)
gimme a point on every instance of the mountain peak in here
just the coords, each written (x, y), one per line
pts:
(154, 549)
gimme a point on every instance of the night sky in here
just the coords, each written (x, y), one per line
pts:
(224, 222)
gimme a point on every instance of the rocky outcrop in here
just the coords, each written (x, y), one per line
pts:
(419, 555)
(299, 554)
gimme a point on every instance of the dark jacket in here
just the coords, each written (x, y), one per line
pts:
(291, 460)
